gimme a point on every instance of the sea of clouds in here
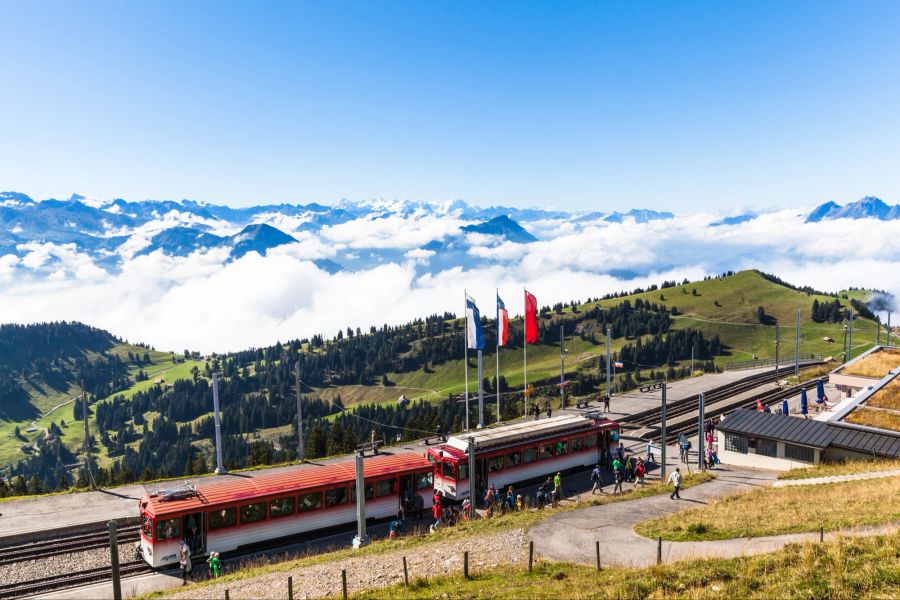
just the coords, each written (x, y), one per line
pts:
(206, 302)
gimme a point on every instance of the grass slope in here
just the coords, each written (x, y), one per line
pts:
(842, 467)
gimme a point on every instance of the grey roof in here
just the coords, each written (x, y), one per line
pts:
(807, 432)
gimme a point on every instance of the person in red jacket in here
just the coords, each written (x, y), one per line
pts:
(437, 509)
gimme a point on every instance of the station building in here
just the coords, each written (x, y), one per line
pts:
(864, 425)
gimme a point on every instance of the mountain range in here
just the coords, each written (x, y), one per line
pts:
(111, 231)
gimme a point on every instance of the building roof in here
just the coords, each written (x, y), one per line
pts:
(507, 434)
(305, 477)
(809, 432)
(805, 432)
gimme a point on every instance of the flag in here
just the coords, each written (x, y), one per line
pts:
(474, 334)
(531, 321)
(502, 323)
(619, 365)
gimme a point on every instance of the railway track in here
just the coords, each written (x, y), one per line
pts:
(70, 580)
(58, 546)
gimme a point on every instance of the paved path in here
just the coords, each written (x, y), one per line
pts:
(571, 536)
(837, 478)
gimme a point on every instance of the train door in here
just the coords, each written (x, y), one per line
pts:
(195, 532)
(481, 478)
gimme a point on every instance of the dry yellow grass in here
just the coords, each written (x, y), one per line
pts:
(882, 419)
(888, 396)
(877, 365)
(842, 467)
(773, 511)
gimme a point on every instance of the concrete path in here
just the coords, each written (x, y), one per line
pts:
(837, 478)
(571, 536)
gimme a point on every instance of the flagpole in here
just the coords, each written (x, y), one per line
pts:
(525, 349)
(497, 376)
(466, 360)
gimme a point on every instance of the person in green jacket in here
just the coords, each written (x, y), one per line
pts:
(215, 563)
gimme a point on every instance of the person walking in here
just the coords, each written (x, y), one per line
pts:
(650, 457)
(617, 477)
(606, 403)
(675, 479)
(596, 479)
(639, 471)
(536, 410)
(185, 563)
(557, 481)
(549, 409)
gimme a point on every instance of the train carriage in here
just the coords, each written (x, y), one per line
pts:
(225, 516)
(520, 452)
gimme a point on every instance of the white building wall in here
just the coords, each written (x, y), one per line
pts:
(758, 461)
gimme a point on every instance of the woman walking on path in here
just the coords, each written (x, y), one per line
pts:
(675, 479)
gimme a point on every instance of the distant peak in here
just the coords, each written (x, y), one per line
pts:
(503, 226)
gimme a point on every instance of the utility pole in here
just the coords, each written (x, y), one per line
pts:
(850, 339)
(844, 346)
(562, 363)
(220, 469)
(608, 389)
(87, 438)
(701, 430)
(471, 450)
(480, 393)
(889, 329)
(692, 361)
(777, 344)
(797, 359)
(301, 447)
(114, 558)
(662, 430)
(361, 538)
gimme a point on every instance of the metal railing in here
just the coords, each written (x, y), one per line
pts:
(805, 357)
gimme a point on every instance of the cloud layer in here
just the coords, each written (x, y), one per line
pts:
(205, 302)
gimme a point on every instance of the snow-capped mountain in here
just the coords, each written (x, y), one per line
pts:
(869, 207)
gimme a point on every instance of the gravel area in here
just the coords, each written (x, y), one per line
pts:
(63, 563)
(365, 572)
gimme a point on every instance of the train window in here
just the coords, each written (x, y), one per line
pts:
(281, 507)
(147, 526)
(166, 530)
(430, 457)
(447, 470)
(495, 463)
(561, 448)
(577, 444)
(513, 459)
(385, 487)
(424, 481)
(463, 471)
(225, 517)
(369, 487)
(251, 513)
(529, 455)
(590, 441)
(306, 502)
(546, 451)
(336, 496)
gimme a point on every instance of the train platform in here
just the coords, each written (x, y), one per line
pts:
(54, 515)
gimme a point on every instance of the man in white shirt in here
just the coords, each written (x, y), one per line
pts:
(675, 479)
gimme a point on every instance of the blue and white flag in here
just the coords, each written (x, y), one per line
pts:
(474, 333)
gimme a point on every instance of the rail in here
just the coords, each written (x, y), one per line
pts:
(770, 362)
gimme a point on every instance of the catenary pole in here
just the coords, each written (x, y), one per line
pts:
(497, 380)
(700, 437)
(889, 330)
(480, 392)
(662, 430)
(562, 364)
(471, 450)
(220, 469)
(850, 341)
(525, 350)
(87, 438)
(608, 389)
(466, 361)
(777, 347)
(797, 352)
(361, 538)
(301, 446)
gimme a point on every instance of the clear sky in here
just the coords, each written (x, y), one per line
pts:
(668, 105)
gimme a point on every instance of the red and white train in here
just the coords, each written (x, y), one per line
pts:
(224, 516)
(248, 509)
(520, 452)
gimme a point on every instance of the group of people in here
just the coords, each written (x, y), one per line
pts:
(214, 562)
(549, 492)
(536, 410)
(494, 500)
(625, 469)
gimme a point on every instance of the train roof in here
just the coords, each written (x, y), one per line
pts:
(247, 487)
(525, 430)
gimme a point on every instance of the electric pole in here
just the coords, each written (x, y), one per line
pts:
(608, 389)
(662, 430)
(87, 438)
(850, 339)
(301, 448)
(220, 469)
(777, 343)
(562, 364)
(797, 359)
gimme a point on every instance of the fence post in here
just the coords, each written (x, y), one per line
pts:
(405, 573)
(821, 533)
(290, 587)
(466, 564)
(597, 543)
(226, 594)
(344, 583)
(530, 554)
(659, 550)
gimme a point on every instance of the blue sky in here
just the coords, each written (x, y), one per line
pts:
(600, 105)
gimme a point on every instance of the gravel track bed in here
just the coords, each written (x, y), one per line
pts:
(63, 563)
(365, 572)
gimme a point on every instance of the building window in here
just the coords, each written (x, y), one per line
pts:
(801, 453)
(735, 443)
(766, 447)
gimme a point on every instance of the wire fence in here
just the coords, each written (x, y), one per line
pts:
(805, 357)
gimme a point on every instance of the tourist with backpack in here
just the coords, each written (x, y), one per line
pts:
(596, 479)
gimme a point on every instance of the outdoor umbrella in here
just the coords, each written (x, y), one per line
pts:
(820, 392)
(784, 407)
(803, 407)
